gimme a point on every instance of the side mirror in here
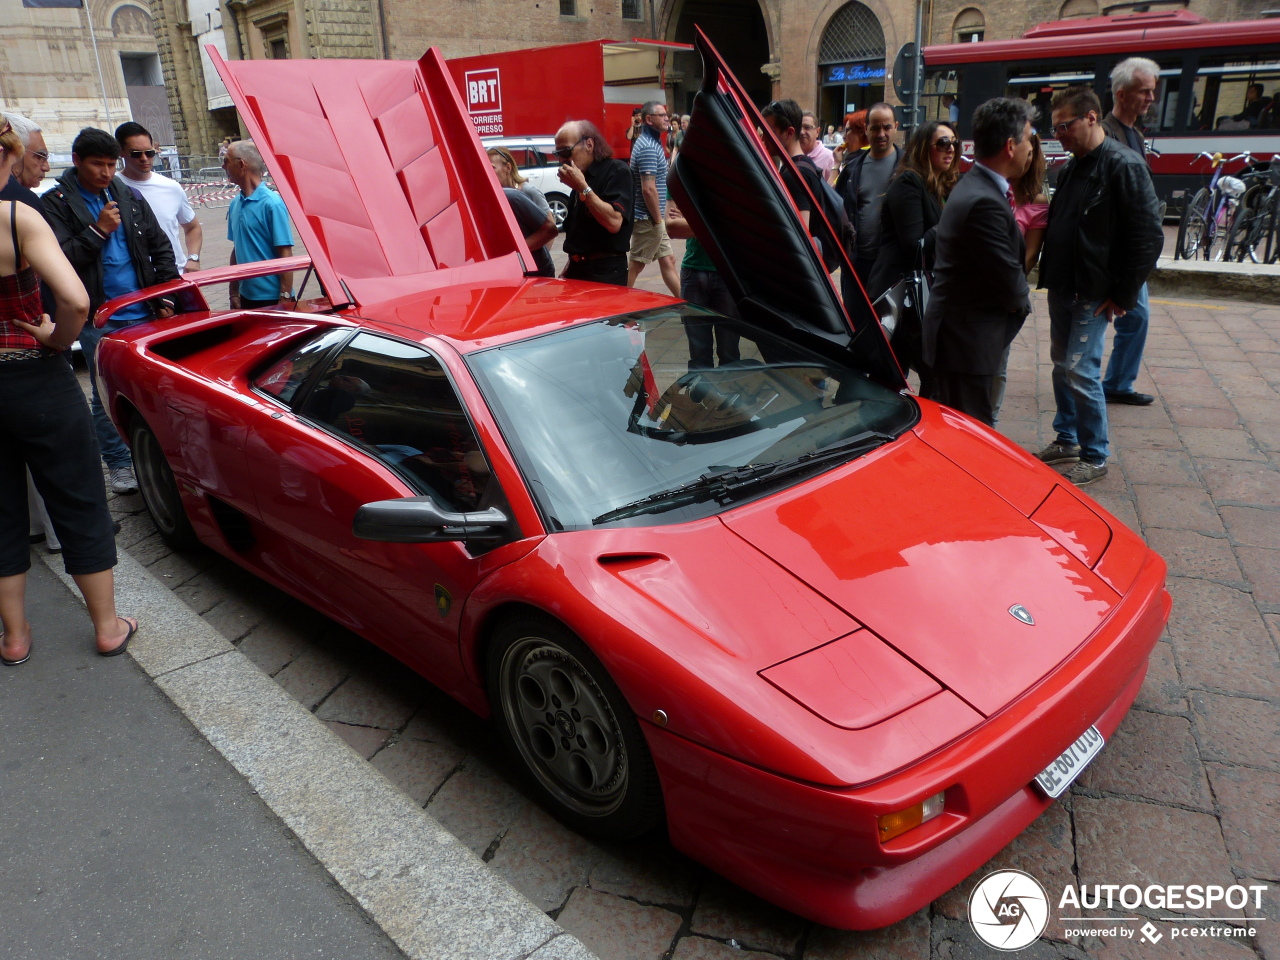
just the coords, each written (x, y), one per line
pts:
(420, 520)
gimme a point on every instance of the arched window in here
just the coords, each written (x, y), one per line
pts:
(1078, 8)
(854, 33)
(970, 26)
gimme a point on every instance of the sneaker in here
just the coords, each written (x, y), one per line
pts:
(1084, 473)
(1060, 453)
(122, 480)
(1131, 397)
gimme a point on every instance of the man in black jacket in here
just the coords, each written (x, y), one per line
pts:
(1103, 240)
(116, 245)
(862, 184)
(980, 297)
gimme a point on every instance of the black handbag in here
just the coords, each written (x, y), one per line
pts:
(901, 308)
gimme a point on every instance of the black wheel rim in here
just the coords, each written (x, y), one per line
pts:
(155, 481)
(564, 726)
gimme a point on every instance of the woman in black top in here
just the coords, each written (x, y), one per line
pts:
(912, 207)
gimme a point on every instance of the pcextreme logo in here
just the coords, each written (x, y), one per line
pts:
(1009, 910)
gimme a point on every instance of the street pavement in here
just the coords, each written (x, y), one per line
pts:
(1187, 791)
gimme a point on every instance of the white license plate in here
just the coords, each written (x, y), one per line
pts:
(1057, 776)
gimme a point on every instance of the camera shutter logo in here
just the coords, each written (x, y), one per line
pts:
(1008, 910)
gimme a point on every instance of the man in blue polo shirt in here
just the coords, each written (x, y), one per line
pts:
(258, 226)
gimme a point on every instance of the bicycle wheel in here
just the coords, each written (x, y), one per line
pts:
(1220, 228)
(1272, 223)
(1248, 234)
(1191, 227)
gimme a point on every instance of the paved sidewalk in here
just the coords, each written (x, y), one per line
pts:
(126, 836)
(1188, 791)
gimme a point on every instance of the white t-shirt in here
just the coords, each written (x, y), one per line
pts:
(168, 201)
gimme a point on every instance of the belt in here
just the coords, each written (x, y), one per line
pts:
(35, 353)
(579, 257)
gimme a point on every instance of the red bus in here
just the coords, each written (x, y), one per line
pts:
(1201, 102)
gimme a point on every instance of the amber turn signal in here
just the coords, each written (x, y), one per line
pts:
(900, 821)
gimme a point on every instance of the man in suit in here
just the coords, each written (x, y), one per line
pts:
(980, 290)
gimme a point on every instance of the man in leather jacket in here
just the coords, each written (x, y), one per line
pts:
(112, 238)
(1103, 240)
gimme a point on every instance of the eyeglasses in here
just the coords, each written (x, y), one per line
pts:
(40, 155)
(139, 154)
(945, 143)
(1058, 129)
(565, 153)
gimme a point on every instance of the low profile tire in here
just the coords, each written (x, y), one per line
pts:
(565, 720)
(559, 205)
(160, 490)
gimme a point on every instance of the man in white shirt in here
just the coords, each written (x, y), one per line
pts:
(165, 197)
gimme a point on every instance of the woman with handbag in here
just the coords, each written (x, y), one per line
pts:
(45, 425)
(929, 168)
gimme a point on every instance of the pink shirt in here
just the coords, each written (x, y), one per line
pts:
(1031, 216)
(823, 157)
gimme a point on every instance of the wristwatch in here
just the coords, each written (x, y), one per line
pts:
(193, 257)
(288, 296)
(586, 193)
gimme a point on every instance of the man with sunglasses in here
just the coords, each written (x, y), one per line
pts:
(167, 198)
(1102, 242)
(597, 228)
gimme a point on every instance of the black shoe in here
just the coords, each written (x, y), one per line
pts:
(1131, 397)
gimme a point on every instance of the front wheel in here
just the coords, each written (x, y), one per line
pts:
(1224, 222)
(1191, 227)
(559, 205)
(160, 489)
(563, 717)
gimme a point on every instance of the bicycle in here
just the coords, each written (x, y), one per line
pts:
(1253, 235)
(1209, 216)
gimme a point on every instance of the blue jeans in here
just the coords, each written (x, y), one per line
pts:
(1076, 338)
(1127, 344)
(113, 449)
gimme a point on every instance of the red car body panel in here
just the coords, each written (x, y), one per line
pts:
(827, 653)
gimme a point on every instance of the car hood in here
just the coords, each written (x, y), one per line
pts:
(740, 211)
(386, 182)
(935, 579)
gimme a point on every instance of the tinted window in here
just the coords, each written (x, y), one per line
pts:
(283, 378)
(1222, 98)
(395, 402)
(604, 414)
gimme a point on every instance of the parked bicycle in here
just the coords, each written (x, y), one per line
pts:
(1253, 237)
(1208, 218)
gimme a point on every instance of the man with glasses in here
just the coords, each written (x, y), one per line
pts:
(1133, 88)
(29, 169)
(110, 235)
(1094, 268)
(862, 185)
(649, 241)
(813, 147)
(167, 198)
(597, 228)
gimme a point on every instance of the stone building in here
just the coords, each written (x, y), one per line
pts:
(49, 72)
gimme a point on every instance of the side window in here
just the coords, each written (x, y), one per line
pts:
(283, 378)
(394, 401)
(1235, 93)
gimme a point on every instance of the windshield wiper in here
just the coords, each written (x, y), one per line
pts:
(724, 487)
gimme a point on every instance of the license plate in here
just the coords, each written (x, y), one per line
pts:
(1057, 776)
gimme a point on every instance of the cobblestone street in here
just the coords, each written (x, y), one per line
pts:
(1187, 791)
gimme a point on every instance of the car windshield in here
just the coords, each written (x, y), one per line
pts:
(613, 423)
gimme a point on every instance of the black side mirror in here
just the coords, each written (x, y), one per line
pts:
(420, 520)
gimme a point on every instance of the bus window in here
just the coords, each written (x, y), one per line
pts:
(1038, 83)
(941, 96)
(1164, 109)
(1236, 93)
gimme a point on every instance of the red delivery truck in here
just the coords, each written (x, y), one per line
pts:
(521, 93)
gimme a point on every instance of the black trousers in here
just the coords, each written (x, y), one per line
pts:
(604, 270)
(967, 392)
(45, 425)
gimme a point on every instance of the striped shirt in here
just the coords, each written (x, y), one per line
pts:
(648, 159)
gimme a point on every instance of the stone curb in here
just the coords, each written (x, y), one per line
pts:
(1232, 281)
(422, 886)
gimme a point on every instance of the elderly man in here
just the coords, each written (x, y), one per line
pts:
(649, 241)
(113, 241)
(167, 198)
(258, 227)
(29, 169)
(1094, 267)
(1133, 87)
(597, 229)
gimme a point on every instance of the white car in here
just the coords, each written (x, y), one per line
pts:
(536, 158)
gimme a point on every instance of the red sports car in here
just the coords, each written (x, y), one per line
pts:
(842, 643)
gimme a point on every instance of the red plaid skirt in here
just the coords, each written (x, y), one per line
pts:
(19, 300)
